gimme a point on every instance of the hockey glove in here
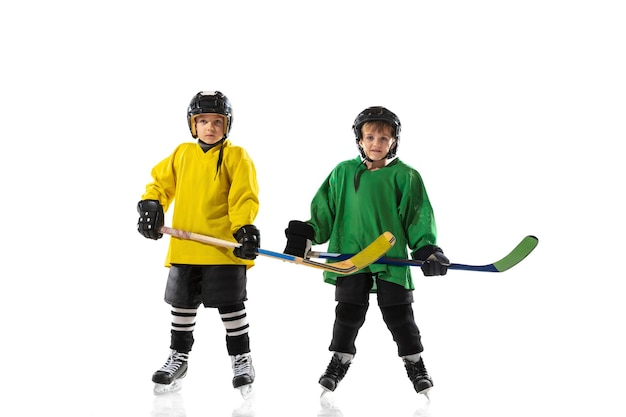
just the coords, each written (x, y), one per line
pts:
(150, 219)
(250, 239)
(299, 236)
(434, 261)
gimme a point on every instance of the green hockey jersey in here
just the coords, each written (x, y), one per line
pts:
(354, 206)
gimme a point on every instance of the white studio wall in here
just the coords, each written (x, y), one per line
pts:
(512, 113)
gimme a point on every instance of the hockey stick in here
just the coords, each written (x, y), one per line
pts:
(349, 264)
(517, 255)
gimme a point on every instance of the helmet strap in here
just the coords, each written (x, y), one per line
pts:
(220, 157)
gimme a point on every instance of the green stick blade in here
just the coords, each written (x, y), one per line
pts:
(521, 251)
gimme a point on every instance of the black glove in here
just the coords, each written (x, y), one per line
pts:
(299, 236)
(150, 219)
(250, 239)
(434, 261)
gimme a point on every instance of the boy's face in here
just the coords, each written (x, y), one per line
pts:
(376, 142)
(210, 127)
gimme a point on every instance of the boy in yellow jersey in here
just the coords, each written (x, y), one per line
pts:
(359, 199)
(213, 187)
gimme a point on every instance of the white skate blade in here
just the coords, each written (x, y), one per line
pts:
(422, 405)
(175, 386)
(426, 393)
(328, 400)
(246, 391)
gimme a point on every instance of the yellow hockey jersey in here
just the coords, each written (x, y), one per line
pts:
(206, 200)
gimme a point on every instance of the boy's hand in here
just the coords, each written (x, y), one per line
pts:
(434, 262)
(150, 219)
(299, 235)
(250, 239)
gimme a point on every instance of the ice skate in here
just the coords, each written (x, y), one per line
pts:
(168, 378)
(243, 374)
(335, 372)
(419, 376)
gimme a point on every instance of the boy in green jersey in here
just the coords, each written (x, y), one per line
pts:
(359, 200)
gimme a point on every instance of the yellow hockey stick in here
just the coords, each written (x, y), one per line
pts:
(367, 256)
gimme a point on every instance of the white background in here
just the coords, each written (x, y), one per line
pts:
(513, 112)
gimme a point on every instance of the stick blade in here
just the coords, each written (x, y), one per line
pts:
(370, 254)
(518, 254)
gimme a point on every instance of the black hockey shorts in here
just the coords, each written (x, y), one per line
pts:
(355, 289)
(212, 285)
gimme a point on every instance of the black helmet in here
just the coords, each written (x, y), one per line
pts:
(378, 113)
(209, 102)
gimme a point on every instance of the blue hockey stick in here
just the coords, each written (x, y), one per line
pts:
(521, 251)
